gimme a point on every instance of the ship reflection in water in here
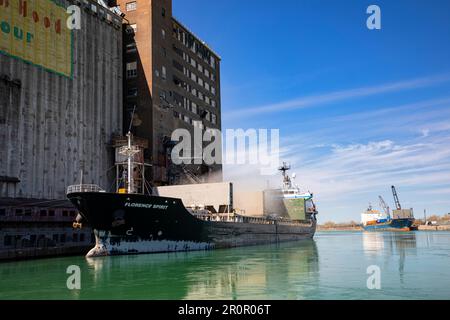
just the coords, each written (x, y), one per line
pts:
(261, 272)
(332, 266)
(391, 244)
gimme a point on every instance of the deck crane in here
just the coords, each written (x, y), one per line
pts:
(384, 206)
(397, 202)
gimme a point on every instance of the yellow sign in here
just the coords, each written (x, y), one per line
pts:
(36, 31)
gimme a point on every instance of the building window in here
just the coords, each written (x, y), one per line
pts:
(206, 72)
(51, 213)
(55, 238)
(33, 238)
(207, 100)
(65, 213)
(213, 118)
(131, 69)
(194, 107)
(213, 90)
(200, 81)
(163, 12)
(7, 241)
(163, 33)
(200, 68)
(163, 95)
(178, 66)
(62, 238)
(132, 92)
(131, 47)
(130, 107)
(193, 63)
(75, 237)
(193, 77)
(163, 72)
(213, 103)
(198, 124)
(19, 212)
(207, 86)
(178, 51)
(2, 212)
(131, 6)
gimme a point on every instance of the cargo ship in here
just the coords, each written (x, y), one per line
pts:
(399, 220)
(129, 222)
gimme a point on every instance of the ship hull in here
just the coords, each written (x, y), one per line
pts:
(132, 223)
(391, 225)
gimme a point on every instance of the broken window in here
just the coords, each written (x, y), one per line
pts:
(131, 47)
(131, 6)
(132, 92)
(131, 69)
(7, 241)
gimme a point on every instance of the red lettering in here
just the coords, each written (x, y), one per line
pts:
(58, 26)
(35, 17)
(47, 22)
(4, 3)
(23, 8)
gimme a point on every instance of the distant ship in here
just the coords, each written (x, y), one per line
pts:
(399, 220)
(128, 222)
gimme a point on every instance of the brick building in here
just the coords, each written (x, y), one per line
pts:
(172, 80)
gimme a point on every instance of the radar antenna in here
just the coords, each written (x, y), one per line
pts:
(286, 179)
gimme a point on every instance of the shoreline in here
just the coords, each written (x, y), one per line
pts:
(420, 228)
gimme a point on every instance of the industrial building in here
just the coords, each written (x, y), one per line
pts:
(60, 107)
(68, 97)
(54, 125)
(172, 80)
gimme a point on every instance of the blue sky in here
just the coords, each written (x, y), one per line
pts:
(358, 110)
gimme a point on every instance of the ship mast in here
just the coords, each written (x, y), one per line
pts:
(286, 179)
(129, 151)
(130, 175)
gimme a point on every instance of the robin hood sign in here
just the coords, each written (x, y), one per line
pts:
(36, 31)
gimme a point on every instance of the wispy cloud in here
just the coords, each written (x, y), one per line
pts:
(425, 132)
(351, 174)
(337, 96)
(350, 159)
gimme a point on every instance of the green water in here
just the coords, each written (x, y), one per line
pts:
(332, 266)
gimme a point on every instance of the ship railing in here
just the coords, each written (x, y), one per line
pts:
(79, 188)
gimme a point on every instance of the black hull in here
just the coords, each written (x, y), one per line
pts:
(132, 223)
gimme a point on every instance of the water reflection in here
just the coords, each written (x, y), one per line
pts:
(271, 272)
(414, 266)
(391, 244)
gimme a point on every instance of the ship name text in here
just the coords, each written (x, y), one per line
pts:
(146, 206)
